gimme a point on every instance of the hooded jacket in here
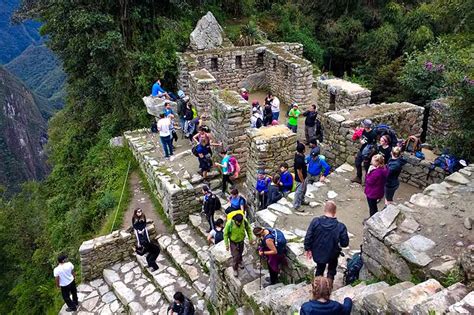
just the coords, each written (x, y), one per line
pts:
(375, 183)
(326, 308)
(394, 169)
(324, 238)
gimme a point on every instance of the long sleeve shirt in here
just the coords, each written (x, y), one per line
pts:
(236, 233)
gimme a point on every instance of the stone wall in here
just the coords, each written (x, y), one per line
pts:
(405, 118)
(104, 251)
(345, 94)
(201, 83)
(426, 237)
(177, 195)
(230, 116)
(269, 147)
(289, 76)
(440, 121)
(417, 172)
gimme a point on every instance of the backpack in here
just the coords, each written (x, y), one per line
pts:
(219, 236)
(386, 130)
(447, 162)
(216, 202)
(368, 151)
(412, 144)
(233, 167)
(154, 127)
(280, 240)
(354, 265)
(259, 123)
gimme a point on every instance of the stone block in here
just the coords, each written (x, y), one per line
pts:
(465, 306)
(383, 222)
(441, 301)
(377, 302)
(404, 302)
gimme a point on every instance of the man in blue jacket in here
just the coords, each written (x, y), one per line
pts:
(324, 238)
(316, 166)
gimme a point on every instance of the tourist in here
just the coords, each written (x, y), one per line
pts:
(158, 91)
(267, 114)
(174, 135)
(293, 118)
(168, 110)
(269, 98)
(139, 227)
(310, 123)
(367, 141)
(244, 93)
(268, 248)
(263, 182)
(320, 304)
(181, 305)
(164, 124)
(204, 159)
(225, 167)
(323, 241)
(313, 146)
(237, 204)
(286, 179)
(234, 236)
(274, 193)
(204, 134)
(211, 204)
(256, 104)
(189, 124)
(275, 108)
(375, 181)
(182, 103)
(316, 166)
(256, 120)
(64, 276)
(395, 165)
(216, 235)
(154, 130)
(300, 177)
(385, 147)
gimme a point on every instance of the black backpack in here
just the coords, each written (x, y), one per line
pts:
(219, 236)
(259, 123)
(386, 130)
(354, 265)
(154, 127)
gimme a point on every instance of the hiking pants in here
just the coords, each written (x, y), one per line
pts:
(225, 180)
(210, 219)
(273, 275)
(390, 192)
(153, 252)
(312, 178)
(372, 206)
(332, 268)
(67, 291)
(309, 133)
(236, 250)
(359, 161)
(263, 200)
(166, 142)
(299, 193)
(293, 128)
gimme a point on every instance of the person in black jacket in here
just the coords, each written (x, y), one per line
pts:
(209, 206)
(310, 123)
(324, 239)
(320, 304)
(395, 165)
(181, 305)
(369, 138)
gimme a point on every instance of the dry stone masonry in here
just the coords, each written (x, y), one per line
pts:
(201, 85)
(337, 94)
(440, 121)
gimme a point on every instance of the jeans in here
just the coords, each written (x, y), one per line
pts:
(312, 178)
(293, 128)
(182, 122)
(225, 180)
(263, 200)
(67, 291)
(359, 161)
(332, 268)
(299, 193)
(275, 115)
(372, 206)
(236, 250)
(390, 192)
(309, 133)
(210, 219)
(166, 142)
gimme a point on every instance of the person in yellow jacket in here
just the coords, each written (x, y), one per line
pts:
(234, 236)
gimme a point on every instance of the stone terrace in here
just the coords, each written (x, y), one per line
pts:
(337, 94)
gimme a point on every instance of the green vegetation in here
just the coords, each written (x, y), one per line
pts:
(454, 276)
(113, 50)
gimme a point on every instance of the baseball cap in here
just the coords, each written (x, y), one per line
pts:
(367, 123)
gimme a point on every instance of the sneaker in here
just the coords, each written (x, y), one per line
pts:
(356, 180)
(299, 209)
(71, 309)
(236, 273)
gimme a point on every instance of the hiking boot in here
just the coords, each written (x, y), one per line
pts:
(356, 180)
(71, 309)
(299, 209)
(241, 266)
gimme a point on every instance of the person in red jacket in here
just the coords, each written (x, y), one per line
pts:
(375, 182)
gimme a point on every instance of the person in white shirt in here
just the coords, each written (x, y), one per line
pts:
(275, 108)
(256, 120)
(164, 129)
(64, 275)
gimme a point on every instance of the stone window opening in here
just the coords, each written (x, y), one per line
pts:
(238, 62)
(214, 65)
(332, 101)
(260, 59)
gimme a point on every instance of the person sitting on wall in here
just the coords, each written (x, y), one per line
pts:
(144, 244)
(256, 120)
(244, 93)
(261, 187)
(274, 193)
(181, 305)
(320, 302)
(158, 91)
(286, 179)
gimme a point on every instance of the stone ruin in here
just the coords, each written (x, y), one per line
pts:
(398, 242)
(440, 121)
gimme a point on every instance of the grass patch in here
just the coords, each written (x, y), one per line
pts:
(231, 311)
(454, 276)
(156, 204)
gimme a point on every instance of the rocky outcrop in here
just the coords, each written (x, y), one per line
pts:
(208, 34)
(22, 134)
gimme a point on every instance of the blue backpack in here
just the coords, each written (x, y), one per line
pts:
(354, 265)
(447, 162)
(280, 240)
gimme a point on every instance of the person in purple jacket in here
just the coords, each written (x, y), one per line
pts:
(320, 304)
(375, 182)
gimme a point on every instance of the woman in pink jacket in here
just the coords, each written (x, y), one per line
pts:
(375, 182)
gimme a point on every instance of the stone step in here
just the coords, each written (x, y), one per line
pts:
(197, 245)
(465, 306)
(135, 290)
(377, 303)
(406, 300)
(186, 263)
(358, 298)
(441, 301)
(96, 297)
(347, 291)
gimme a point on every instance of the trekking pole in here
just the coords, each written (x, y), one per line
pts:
(260, 271)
